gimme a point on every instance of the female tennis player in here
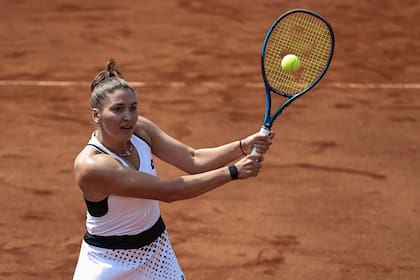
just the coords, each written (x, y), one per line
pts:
(126, 236)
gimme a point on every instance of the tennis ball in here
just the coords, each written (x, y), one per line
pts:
(290, 63)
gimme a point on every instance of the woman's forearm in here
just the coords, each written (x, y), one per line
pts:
(211, 158)
(186, 187)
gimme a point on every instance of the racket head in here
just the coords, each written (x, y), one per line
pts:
(305, 34)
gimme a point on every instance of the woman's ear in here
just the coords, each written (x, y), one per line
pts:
(96, 115)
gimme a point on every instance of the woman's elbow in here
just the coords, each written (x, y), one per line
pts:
(170, 195)
(169, 198)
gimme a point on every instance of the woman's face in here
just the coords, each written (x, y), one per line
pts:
(119, 115)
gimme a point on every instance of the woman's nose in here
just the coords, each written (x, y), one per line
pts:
(128, 115)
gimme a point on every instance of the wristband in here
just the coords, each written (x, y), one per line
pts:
(233, 172)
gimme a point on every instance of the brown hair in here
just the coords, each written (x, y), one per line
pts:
(105, 82)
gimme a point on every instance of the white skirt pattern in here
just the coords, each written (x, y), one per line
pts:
(156, 261)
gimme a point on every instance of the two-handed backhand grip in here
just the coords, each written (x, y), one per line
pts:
(263, 131)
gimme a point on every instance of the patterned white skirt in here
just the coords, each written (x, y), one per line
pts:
(156, 261)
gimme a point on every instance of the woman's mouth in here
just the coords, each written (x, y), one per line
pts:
(126, 127)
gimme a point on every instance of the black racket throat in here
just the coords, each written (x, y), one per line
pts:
(269, 118)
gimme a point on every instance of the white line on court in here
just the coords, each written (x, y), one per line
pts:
(409, 86)
(375, 86)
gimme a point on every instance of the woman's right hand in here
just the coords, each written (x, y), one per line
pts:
(249, 166)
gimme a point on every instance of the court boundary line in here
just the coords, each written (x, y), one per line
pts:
(174, 84)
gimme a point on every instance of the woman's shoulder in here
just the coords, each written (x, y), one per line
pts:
(89, 159)
(146, 129)
(92, 170)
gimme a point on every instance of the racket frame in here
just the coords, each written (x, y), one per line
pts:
(268, 118)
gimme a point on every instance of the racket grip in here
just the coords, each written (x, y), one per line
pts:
(263, 131)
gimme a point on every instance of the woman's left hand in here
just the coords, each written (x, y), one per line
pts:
(260, 142)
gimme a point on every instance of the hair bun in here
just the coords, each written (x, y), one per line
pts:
(112, 69)
(111, 65)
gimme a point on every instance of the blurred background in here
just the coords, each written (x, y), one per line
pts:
(338, 196)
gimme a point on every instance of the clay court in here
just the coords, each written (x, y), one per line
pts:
(338, 196)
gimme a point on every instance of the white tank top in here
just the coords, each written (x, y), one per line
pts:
(126, 215)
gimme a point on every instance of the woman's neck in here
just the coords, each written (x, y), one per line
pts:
(123, 148)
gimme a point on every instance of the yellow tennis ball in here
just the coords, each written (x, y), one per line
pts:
(290, 63)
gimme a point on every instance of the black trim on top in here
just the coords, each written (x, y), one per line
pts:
(97, 209)
(127, 241)
(145, 141)
(135, 134)
(98, 148)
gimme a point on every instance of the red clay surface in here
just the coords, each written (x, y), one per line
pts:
(338, 197)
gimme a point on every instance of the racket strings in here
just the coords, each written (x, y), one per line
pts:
(304, 35)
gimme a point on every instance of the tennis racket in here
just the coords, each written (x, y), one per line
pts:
(310, 37)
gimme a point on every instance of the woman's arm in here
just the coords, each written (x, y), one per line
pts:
(102, 174)
(193, 160)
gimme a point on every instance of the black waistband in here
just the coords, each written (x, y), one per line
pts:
(127, 241)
